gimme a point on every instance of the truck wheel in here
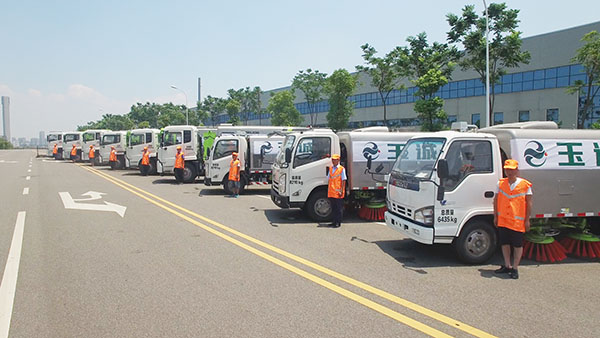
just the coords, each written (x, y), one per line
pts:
(152, 170)
(476, 243)
(189, 173)
(120, 163)
(318, 206)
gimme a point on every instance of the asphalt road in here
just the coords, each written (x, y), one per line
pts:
(187, 261)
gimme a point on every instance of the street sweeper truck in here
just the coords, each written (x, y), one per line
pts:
(442, 186)
(69, 139)
(300, 171)
(137, 140)
(55, 137)
(194, 142)
(115, 139)
(257, 148)
(92, 137)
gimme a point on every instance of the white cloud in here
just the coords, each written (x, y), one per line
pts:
(34, 92)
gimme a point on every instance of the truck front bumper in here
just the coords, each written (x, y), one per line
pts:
(280, 201)
(415, 231)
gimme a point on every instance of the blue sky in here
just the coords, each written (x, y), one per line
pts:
(64, 63)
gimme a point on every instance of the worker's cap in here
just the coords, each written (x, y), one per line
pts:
(178, 147)
(335, 156)
(112, 147)
(92, 146)
(73, 146)
(234, 154)
(145, 148)
(511, 164)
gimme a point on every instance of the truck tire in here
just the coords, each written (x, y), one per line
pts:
(318, 206)
(152, 170)
(189, 173)
(227, 185)
(476, 243)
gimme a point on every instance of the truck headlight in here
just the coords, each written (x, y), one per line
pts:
(282, 178)
(424, 215)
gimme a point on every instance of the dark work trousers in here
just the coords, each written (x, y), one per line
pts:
(92, 161)
(179, 175)
(144, 169)
(337, 210)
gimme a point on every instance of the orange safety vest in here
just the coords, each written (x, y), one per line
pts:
(146, 158)
(234, 170)
(512, 205)
(336, 188)
(55, 150)
(113, 156)
(74, 151)
(92, 153)
(179, 160)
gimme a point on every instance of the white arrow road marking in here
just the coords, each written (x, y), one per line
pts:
(25, 191)
(9, 279)
(94, 195)
(70, 203)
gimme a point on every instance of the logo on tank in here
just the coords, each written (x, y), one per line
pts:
(371, 151)
(535, 154)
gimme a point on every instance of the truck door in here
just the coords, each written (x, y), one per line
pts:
(171, 139)
(310, 165)
(221, 158)
(470, 187)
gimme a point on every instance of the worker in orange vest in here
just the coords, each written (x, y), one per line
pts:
(234, 175)
(92, 155)
(145, 163)
(336, 189)
(179, 165)
(112, 159)
(73, 153)
(55, 151)
(512, 208)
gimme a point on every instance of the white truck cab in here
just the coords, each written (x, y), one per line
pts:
(92, 137)
(55, 137)
(118, 140)
(137, 139)
(69, 139)
(441, 188)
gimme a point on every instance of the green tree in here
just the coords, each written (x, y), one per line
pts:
(384, 72)
(4, 144)
(145, 112)
(589, 56)
(340, 85)
(282, 109)
(212, 107)
(233, 110)
(504, 45)
(171, 114)
(430, 68)
(144, 124)
(310, 83)
(255, 105)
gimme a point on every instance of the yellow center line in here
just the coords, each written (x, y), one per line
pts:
(383, 294)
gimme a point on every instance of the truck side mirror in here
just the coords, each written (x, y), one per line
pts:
(440, 193)
(369, 162)
(288, 155)
(442, 169)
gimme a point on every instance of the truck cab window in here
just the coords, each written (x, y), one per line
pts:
(467, 158)
(312, 149)
(172, 138)
(225, 148)
(187, 136)
(87, 137)
(148, 137)
(137, 139)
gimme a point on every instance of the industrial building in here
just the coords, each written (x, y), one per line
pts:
(534, 91)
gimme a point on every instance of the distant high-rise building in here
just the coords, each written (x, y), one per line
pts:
(42, 140)
(6, 117)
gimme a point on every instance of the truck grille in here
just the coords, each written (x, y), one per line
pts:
(400, 210)
(275, 186)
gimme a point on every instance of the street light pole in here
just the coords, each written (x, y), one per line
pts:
(487, 67)
(187, 121)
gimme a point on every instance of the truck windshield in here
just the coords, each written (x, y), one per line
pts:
(52, 137)
(111, 139)
(418, 157)
(87, 137)
(288, 143)
(71, 137)
(137, 139)
(172, 138)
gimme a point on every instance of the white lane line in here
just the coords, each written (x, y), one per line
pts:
(267, 197)
(28, 178)
(9, 279)
(381, 223)
(25, 191)
(28, 170)
(29, 165)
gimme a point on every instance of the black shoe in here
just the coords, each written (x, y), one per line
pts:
(514, 274)
(338, 225)
(331, 225)
(503, 269)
